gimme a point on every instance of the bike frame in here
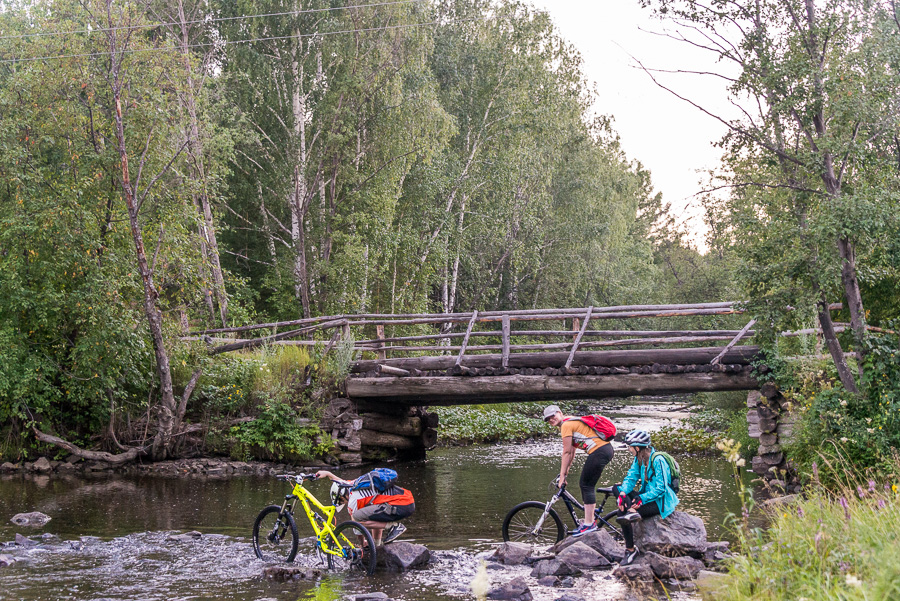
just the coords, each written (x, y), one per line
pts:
(310, 504)
(572, 504)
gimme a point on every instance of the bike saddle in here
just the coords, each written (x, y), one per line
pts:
(606, 490)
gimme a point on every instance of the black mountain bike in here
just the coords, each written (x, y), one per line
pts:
(538, 523)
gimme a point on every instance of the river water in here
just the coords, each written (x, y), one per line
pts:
(108, 535)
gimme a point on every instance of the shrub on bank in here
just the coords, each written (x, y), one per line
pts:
(864, 429)
(840, 543)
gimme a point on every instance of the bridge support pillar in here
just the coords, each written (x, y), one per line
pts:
(365, 431)
(770, 419)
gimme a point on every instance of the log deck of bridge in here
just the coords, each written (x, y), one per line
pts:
(543, 376)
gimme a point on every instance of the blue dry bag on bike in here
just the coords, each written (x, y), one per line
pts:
(380, 479)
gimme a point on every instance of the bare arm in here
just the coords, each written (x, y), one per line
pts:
(568, 455)
(330, 476)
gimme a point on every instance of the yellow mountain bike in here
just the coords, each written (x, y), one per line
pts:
(347, 547)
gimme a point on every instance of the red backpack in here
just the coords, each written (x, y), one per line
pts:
(604, 428)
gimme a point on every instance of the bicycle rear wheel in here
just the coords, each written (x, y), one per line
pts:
(275, 535)
(521, 525)
(356, 552)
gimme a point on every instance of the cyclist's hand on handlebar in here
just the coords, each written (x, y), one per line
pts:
(561, 481)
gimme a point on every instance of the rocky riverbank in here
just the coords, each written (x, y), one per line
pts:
(201, 466)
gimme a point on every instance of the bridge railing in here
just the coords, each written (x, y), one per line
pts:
(434, 332)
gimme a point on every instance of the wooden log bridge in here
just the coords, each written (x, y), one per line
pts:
(507, 356)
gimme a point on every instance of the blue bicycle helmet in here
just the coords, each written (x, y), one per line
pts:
(637, 438)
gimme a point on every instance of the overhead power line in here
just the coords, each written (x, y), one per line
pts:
(229, 42)
(213, 20)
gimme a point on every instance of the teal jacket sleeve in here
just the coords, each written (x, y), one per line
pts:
(655, 489)
(631, 478)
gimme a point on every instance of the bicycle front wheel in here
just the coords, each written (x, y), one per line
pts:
(521, 525)
(356, 552)
(275, 535)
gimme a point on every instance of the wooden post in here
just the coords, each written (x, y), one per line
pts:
(465, 342)
(734, 341)
(576, 327)
(587, 318)
(345, 331)
(379, 333)
(505, 356)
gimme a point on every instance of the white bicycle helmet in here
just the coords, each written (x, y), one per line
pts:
(637, 438)
(338, 495)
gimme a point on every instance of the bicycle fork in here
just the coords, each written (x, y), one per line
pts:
(547, 506)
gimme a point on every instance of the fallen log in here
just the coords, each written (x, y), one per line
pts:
(402, 426)
(371, 438)
(115, 459)
(392, 371)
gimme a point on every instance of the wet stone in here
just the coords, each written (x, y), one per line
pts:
(287, 573)
(186, 537)
(548, 580)
(679, 568)
(378, 596)
(634, 573)
(42, 465)
(6, 560)
(401, 556)
(567, 582)
(511, 591)
(679, 534)
(570, 597)
(512, 554)
(600, 541)
(32, 519)
(24, 541)
(580, 556)
(550, 567)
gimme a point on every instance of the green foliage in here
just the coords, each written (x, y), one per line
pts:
(480, 423)
(835, 544)
(684, 440)
(275, 434)
(280, 368)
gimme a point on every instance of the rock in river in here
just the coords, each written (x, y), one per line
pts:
(32, 519)
(679, 534)
(401, 556)
(286, 573)
(511, 591)
(581, 557)
(512, 554)
(680, 568)
(186, 537)
(599, 541)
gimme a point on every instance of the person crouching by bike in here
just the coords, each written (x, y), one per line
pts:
(655, 496)
(577, 434)
(375, 510)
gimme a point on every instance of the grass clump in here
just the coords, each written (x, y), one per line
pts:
(841, 542)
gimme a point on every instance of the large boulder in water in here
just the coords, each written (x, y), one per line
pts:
(679, 534)
(512, 554)
(401, 556)
(33, 519)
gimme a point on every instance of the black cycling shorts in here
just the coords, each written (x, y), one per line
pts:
(591, 472)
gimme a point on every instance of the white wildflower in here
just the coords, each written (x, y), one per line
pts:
(853, 580)
(843, 403)
(844, 439)
(481, 584)
(741, 462)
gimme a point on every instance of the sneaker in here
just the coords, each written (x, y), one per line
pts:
(585, 528)
(629, 517)
(629, 557)
(393, 533)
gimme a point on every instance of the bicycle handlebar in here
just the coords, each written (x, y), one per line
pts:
(299, 478)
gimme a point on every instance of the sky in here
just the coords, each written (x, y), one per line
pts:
(671, 138)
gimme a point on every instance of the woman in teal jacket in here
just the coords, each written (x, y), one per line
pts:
(655, 496)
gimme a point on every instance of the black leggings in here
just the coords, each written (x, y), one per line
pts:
(646, 510)
(591, 472)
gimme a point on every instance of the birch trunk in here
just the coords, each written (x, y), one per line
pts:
(299, 199)
(208, 228)
(167, 404)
